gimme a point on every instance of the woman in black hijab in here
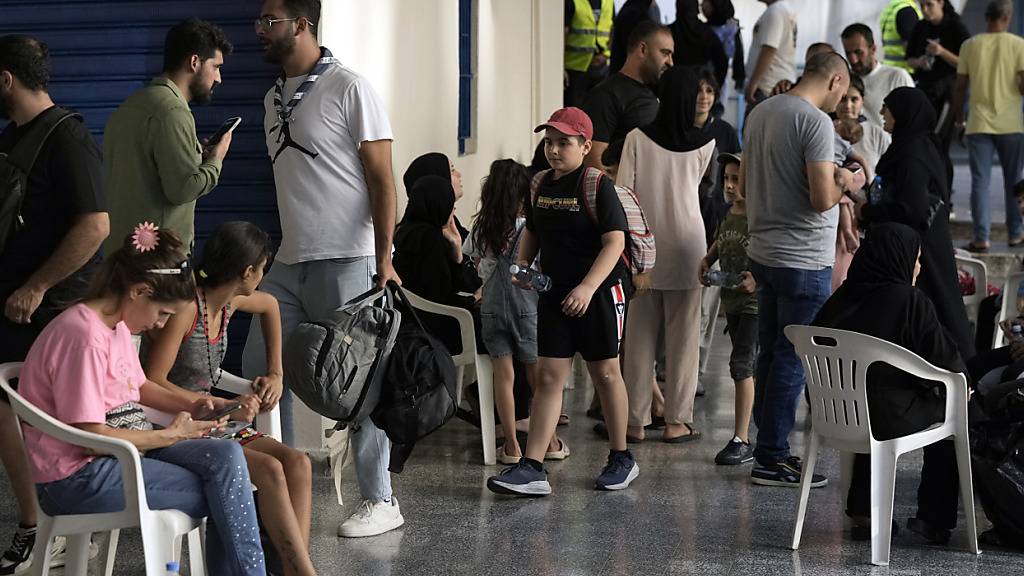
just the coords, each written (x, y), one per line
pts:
(428, 256)
(697, 45)
(915, 192)
(721, 16)
(435, 164)
(878, 298)
(664, 163)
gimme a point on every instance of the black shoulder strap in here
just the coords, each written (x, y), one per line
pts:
(27, 149)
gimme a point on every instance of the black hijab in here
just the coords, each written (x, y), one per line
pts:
(431, 202)
(886, 256)
(430, 164)
(687, 21)
(913, 137)
(722, 11)
(673, 127)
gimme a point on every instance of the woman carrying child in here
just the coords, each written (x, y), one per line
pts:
(184, 357)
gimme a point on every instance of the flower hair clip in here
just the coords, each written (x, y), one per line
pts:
(145, 237)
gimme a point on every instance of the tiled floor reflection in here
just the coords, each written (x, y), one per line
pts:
(684, 515)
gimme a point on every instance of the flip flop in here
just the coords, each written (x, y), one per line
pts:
(977, 247)
(692, 436)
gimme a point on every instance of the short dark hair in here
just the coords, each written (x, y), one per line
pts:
(819, 47)
(708, 77)
(27, 59)
(643, 32)
(230, 251)
(1018, 189)
(998, 9)
(858, 28)
(193, 36)
(308, 9)
(826, 64)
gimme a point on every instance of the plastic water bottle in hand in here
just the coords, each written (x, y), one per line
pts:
(530, 277)
(173, 569)
(722, 278)
(875, 191)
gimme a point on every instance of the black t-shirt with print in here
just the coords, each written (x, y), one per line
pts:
(570, 240)
(618, 105)
(66, 181)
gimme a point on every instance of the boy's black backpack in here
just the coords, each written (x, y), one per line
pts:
(16, 166)
(335, 365)
(418, 392)
(997, 458)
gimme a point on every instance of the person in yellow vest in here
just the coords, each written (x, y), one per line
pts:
(898, 21)
(588, 32)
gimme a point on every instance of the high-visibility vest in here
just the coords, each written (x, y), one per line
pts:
(587, 37)
(894, 47)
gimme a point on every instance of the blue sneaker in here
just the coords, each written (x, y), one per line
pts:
(520, 480)
(619, 472)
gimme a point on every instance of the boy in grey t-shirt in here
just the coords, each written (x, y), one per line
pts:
(792, 186)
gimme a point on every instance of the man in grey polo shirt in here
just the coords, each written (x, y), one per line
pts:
(792, 187)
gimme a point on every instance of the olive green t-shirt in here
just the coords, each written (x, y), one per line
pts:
(732, 241)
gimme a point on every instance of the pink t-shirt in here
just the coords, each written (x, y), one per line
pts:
(76, 371)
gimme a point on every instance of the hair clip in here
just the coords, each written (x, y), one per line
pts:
(202, 273)
(181, 269)
(145, 238)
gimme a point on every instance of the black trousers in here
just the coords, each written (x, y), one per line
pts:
(937, 495)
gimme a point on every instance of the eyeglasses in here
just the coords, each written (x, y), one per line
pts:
(266, 22)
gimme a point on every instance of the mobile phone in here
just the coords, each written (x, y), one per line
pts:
(217, 415)
(226, 127)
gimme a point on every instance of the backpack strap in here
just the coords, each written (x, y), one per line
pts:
(25, 152)
(535, 185)
(590, 183)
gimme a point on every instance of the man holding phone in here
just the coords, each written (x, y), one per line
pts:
(156, 167)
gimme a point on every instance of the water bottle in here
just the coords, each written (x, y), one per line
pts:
(722, 278)
(173, 569)
(875, 191)
(530, 277)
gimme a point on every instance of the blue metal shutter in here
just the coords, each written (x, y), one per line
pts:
(102, 51)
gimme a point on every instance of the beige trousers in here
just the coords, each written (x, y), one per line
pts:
(676, 315)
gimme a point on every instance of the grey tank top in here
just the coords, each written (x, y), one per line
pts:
(197, 367)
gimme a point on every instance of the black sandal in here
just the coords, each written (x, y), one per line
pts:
(692, 436)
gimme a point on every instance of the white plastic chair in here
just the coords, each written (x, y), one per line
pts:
(484, 370)
(1009, 307)
(161, 529)
(976, 268)
(836, 375)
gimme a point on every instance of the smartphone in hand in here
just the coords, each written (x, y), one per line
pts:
(226, 127)
(218, 414)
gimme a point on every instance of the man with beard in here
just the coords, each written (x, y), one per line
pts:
(329, 138)
(49, 252)
(879, 79)
(626, 100)
(156, 167)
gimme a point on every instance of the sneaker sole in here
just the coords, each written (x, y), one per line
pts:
(533, 489)
(734, 462)
(769, 482)
(363, 533)
(623, 485)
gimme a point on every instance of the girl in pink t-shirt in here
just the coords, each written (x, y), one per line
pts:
(84, 370)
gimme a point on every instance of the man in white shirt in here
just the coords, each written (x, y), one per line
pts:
(329, 139)
(772, 55)
(879, 79)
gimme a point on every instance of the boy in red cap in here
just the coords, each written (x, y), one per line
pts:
(584, 311)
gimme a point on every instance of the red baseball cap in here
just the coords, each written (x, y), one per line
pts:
(571, 121)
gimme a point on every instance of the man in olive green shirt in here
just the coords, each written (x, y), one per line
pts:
(156, 168)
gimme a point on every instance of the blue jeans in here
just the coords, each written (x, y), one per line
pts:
(981, 148)
(784, 296)
(311, 291)
(206, 477)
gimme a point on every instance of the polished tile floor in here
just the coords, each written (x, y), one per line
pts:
(683, 515)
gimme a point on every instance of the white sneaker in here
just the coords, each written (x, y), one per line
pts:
(372, 518)
(58, 555)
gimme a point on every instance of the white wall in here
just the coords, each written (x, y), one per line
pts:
(409, 51)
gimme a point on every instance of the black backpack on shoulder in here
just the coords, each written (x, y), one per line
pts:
(418, 392)
(16, 166)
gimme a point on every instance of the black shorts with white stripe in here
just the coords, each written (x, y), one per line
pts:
(597, 335)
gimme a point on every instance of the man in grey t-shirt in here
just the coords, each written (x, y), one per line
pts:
(792, 187)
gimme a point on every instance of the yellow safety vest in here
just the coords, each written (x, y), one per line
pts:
(587, 37)
(894, 47)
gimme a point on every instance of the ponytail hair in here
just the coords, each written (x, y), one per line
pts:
(163, 267)
(230, 251)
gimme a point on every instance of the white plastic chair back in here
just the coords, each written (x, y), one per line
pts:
(976, 268)
(1009, 308)
(468, 355)
(161, 529)
(835, 366)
